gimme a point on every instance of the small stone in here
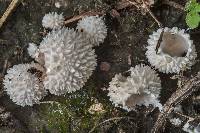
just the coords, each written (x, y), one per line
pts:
(114, 13)
(104, 66)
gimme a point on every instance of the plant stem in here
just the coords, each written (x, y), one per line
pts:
(108, 120)
(8, 11)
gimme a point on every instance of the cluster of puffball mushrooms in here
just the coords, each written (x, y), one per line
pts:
(65, 59)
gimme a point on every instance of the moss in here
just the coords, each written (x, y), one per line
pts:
(70, 112)
(63, 119)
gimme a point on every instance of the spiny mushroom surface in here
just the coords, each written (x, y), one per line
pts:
(94, 28)
(142, 87)
(53, 20)
(176, 52)
(33, 50)
(69, 60)
(23, 87)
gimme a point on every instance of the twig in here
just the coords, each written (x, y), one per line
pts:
(159, 41)
(5, 66)
(154, 17)
(173, 4)
(49, 102)
(108, 120)
(151, 13)
(176, 98)
(144, 6)
(78, 17)
(133, 3)
(185, 116)
(8, 11)
(123, 4)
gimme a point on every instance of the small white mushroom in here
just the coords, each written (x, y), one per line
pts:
(23, 87)
(94, 28)
(53, 20)
(69, 60)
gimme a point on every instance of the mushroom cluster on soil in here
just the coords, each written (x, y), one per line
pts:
(65, 59)
(53, 20)
(65, 55)
(176, 53)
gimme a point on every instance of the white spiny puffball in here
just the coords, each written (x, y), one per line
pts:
(69, 60)
(53, 20)
(142, 87)
(176, 52)
(33, 50)
(23, 87)
(94, 29)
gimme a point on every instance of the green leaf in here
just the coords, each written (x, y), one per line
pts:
(192, 18)
(190, 5)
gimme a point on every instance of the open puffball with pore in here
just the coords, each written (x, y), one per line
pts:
(23, 87)
(142, 87)
(176, 52)
(94, 28)
(69, 60)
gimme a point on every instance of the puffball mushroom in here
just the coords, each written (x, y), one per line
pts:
(53, 20)
(142, 87)
(176, 52)
(69, 60)
(94, 28)
(23, 87)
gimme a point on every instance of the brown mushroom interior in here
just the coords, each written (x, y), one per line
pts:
(174, 45)
(134, 99)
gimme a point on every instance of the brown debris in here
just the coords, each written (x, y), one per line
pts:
(173, 4)
(123, 4)
(78, 17)
(144, 6)
(104, 66)
(114, 13)
(177, 97)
